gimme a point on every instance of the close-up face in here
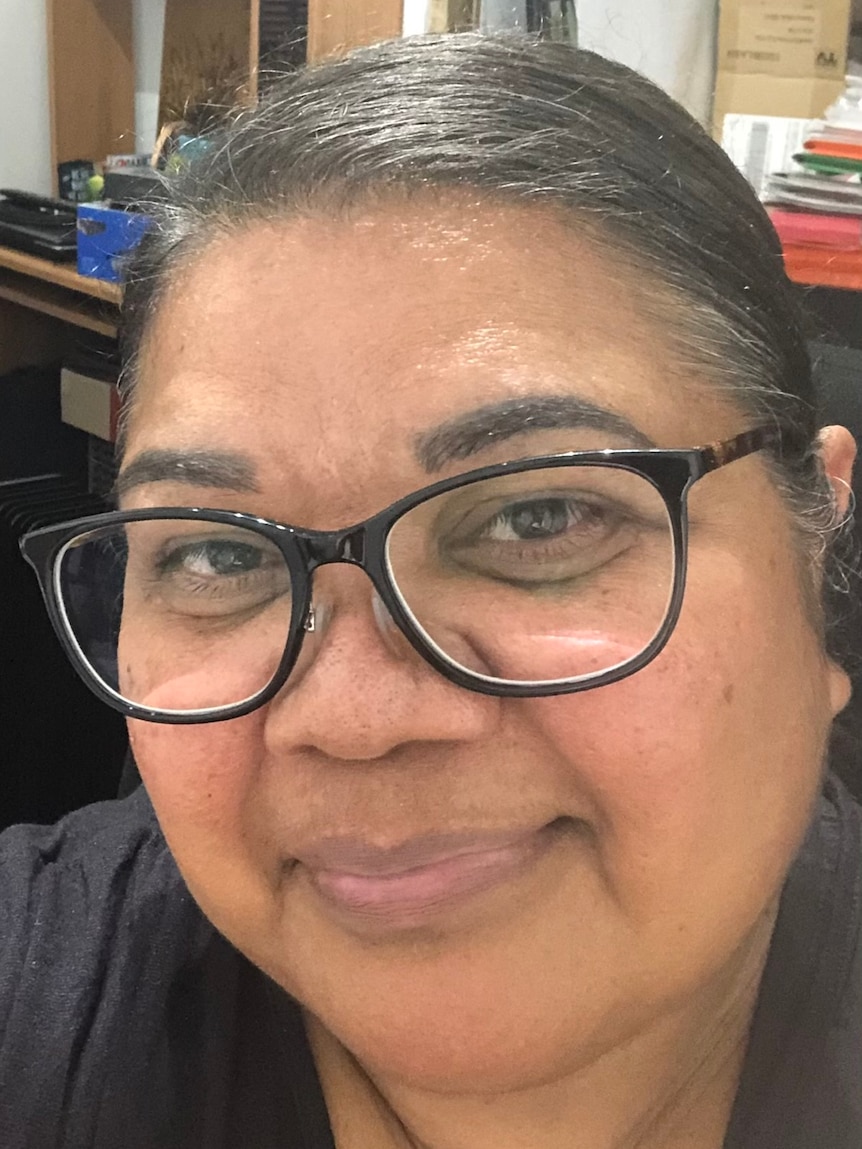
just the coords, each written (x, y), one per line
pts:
(471, 891)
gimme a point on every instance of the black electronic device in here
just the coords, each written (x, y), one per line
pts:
(134, 187)
(38, 225)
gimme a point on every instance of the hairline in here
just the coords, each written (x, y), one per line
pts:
(341, 203)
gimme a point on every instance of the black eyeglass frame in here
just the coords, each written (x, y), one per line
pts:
(671, 471)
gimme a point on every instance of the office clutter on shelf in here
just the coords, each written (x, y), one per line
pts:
(816, 203)
(822, 184)
(106, 236)
(787, 111)
(809, 175)
(38, 225)
(97, 235)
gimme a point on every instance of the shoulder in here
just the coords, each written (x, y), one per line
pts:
(93, 868)
(96, 927)
(25, 847)
(93, 892)
(802, 1081)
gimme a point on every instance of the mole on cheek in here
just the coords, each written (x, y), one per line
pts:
(727, 693)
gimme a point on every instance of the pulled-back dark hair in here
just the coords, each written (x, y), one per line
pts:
(519, 118)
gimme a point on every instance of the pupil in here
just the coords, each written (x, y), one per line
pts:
(536, 520)
(229, 558)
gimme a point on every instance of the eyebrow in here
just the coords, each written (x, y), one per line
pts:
(455, 440)
(468, 434)
(228, 470)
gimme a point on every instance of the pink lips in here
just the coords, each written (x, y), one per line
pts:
(421, 876)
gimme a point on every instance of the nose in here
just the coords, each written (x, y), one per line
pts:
(360, 691)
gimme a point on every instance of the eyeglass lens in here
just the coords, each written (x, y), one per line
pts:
(547, 575)
(544, 576)
(178, 614)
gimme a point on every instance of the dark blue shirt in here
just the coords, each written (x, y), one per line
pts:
(127, 1021)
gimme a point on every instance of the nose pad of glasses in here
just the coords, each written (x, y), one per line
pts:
(394, 638)
(384, 620)
(317, 616)
(321, 613)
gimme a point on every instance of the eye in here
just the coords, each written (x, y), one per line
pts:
(542, 518)
(544, 537)
(210, 557)
(194, 571)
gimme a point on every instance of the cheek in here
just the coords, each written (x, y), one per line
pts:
(202, 781)
(197, 772)
(707, 761)
(196, 666)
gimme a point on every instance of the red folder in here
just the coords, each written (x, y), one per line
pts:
(840, 232)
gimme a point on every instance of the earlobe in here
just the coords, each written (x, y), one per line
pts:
(840, 688)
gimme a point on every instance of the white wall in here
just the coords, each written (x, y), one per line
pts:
(498, 15)
(25, 132)
(671, 41)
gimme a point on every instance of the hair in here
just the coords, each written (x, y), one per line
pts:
(516, 118)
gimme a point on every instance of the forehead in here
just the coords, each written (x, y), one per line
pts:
(340, 339)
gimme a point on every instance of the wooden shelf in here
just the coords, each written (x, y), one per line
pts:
(61, 274)
(43, 305)
(56, 302)
(823, 267)
(91, 79)
(91, 65)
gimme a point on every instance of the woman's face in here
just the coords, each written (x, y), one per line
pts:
(472, 892)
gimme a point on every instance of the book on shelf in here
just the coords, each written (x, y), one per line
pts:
(839, 232)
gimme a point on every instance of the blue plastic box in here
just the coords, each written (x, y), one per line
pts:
(106, 235)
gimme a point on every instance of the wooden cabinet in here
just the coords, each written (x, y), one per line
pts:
(336, 26)
(44, 305)
(91, 78)
(92, 71)
(91, 67)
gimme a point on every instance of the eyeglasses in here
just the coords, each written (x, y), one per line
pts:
(542, 576)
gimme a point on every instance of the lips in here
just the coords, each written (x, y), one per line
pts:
(420, 877)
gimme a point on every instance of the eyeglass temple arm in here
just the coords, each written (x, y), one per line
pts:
(781, 440)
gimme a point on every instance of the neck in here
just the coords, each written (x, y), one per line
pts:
(671, 1087)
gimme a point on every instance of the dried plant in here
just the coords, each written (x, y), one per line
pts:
(202, 81)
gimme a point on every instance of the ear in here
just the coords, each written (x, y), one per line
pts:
(838, 452)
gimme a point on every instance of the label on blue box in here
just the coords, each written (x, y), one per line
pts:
(106, 235)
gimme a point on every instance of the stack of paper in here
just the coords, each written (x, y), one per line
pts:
(815, 203)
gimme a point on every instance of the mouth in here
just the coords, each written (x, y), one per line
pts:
(410, 884)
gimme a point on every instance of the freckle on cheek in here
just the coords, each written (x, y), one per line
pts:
(727, 693)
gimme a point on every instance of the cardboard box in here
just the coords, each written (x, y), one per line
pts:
(780, 57)
(105, 237)
(91, 405)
